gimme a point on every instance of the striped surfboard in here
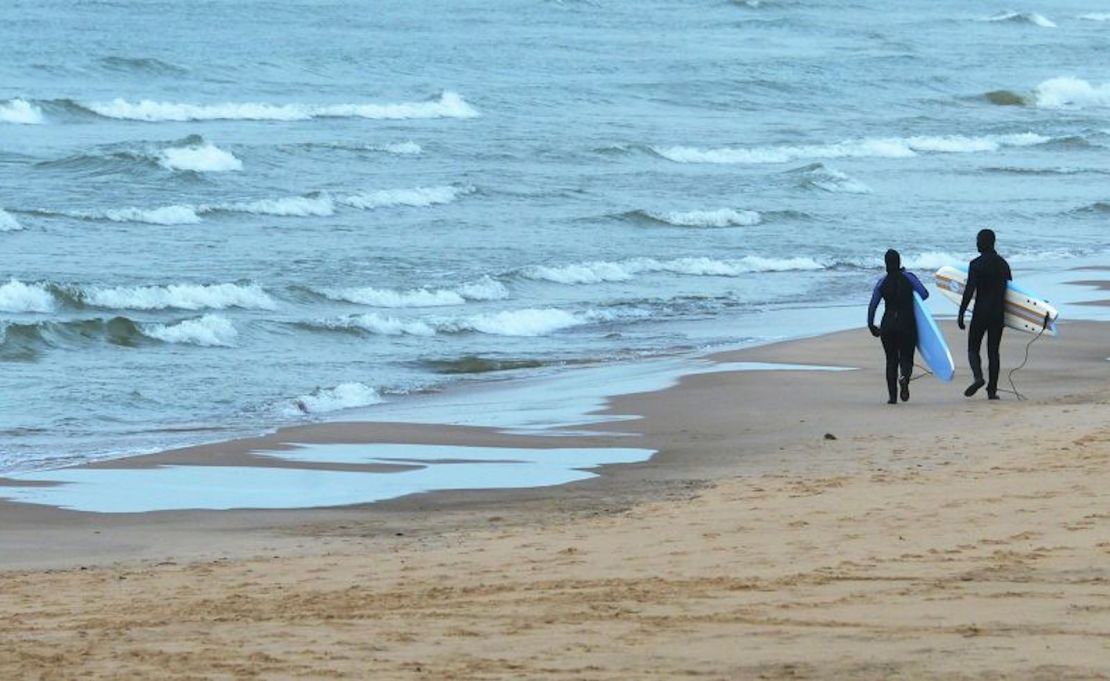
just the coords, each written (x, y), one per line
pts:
(1024, 310)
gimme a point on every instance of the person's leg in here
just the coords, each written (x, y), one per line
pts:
(974, 342)
(890, 347)
(907, 344)
(994, 362)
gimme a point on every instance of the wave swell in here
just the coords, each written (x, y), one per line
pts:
(597, 272)
(1029, 18)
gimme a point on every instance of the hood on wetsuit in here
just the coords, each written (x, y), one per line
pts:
(893, 261)
(984, 240)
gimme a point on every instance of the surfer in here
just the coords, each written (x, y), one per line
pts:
(987, 277)
(898, 328)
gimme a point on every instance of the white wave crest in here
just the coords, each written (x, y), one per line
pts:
(181, 296)
(210, 330)
(722, 217)
(15, 296)
(8, 223)
(870, 148)
(832, 180)
(403, 148)
(166, 215)
(1095, 16)
(601, 271)
(527, 322)
(449, 105)
(292, 206)
(342, 396)
(1020, 18)
(417, 197)
(484, 289)
(201, 158)
(1065, 91)
(930, 260)
(581, 273)
(383, 325)
(20, 111)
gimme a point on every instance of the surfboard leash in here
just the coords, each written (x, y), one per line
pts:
(1010, 377)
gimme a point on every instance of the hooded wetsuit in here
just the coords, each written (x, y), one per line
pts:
(898, 328)
(987, 277)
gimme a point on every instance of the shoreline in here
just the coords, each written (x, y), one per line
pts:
(643, 418)
(791, 525)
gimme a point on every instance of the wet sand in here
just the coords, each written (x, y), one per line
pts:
(792, 525)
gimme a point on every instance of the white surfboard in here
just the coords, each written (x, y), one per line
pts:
(1024, 310)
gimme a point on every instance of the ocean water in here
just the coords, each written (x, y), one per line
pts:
(218, 217)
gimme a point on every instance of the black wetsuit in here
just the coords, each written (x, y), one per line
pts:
(898, 328)
(987, 276)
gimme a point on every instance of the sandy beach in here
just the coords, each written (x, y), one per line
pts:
(792, 525)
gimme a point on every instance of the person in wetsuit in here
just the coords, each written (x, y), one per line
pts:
(898, 328)
(987, 277)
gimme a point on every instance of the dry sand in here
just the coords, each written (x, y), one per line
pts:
(944, 538)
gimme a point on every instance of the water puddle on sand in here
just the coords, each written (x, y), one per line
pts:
(421, 468)
(549, 405)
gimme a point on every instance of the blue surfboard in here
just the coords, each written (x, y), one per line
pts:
(930, 342)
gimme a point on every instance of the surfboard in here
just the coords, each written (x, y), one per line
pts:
(930, 342)
(1025, 311)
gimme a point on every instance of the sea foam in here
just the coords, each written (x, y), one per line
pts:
(1077, 93)
(201, 158)
(15, 296)
(210, 330)
(20, 111)
(180, 296)
(448, 105)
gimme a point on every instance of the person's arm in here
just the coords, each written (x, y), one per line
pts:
(917, 285)
(969, 293)
(876, 295)
(1009, 275)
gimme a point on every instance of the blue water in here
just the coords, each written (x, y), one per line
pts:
(219, 217)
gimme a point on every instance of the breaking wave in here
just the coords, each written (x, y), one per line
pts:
(8, 223)
(447, 105)
(819, 176)
(317, 204)
(15, 296)
(201, 158)
(141, 65)
(722, 217)
(1030, 18)
(597, 272)
(1095, 16)
(178, 296)
(524, 322)
(1070, 92)
(20, 111)
(417, 197)
(483, 289)
(210, 330)
(323, 400)
(870, 147)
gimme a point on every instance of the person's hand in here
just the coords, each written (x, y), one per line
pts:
(960, 322)
(874, 330)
